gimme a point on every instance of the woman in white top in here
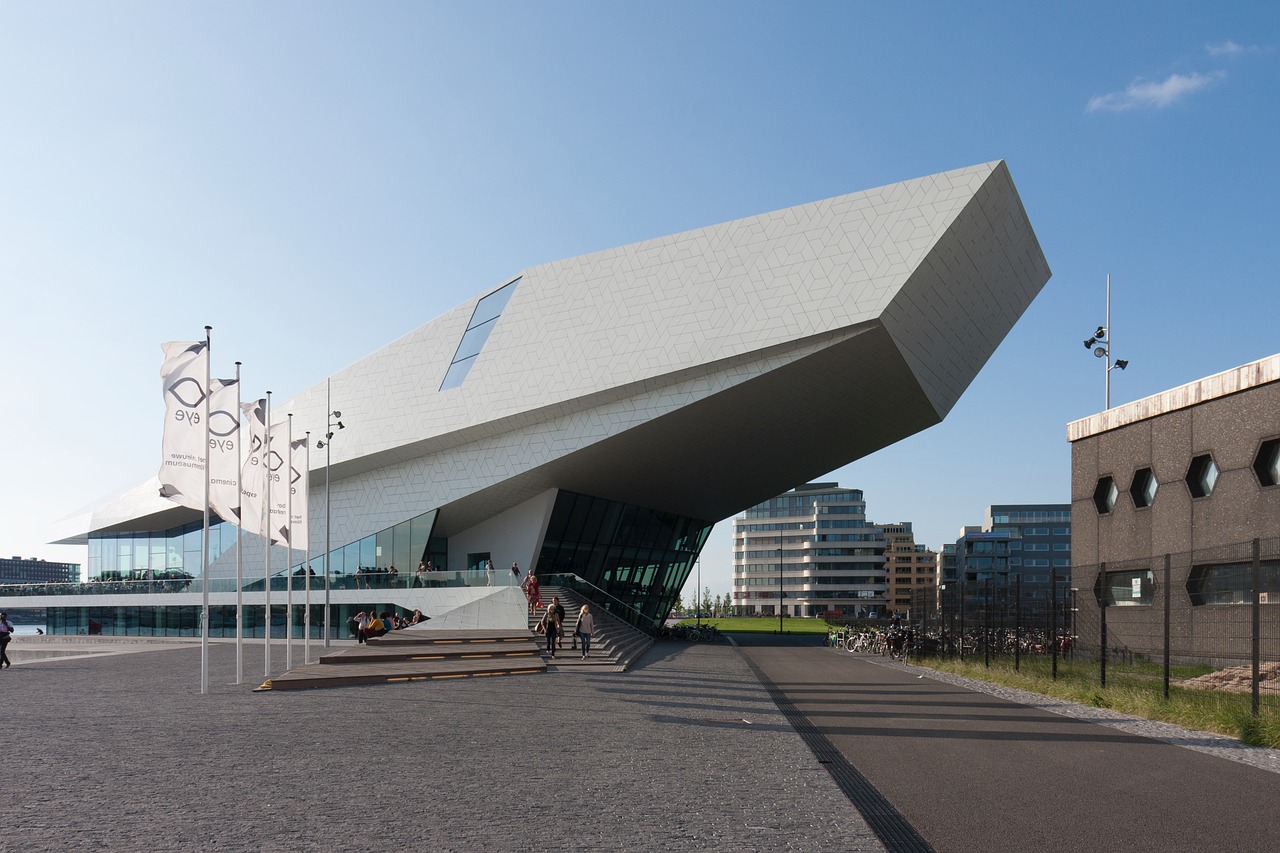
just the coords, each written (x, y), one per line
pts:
(586, 627)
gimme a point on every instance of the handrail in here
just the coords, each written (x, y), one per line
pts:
(631, 615)
(376, 581)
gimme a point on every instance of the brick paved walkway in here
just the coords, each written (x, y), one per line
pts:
(123, 753)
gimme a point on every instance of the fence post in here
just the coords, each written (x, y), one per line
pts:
(1168, 597)
(986, 623)
(1257, 621)
(1017, 625)
(1053, 620)
(1102, 658)
(961, 634)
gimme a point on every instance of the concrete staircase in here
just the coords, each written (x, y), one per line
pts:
(419, 655)
(422, 653)
(615, 645)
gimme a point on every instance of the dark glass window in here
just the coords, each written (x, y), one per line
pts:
(1105, 494)
(1232, 583)
(1267, 463)
(1202, 476)
(1125, 589)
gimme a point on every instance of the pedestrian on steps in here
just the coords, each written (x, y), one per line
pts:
(586, 627)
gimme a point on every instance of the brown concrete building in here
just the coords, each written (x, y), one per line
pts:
(908, 567)
(1188, 479)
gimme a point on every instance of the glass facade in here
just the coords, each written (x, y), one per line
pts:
(176, 552)
(483, 319)
(637, 557)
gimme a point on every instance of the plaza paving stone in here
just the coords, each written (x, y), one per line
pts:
(685, 752)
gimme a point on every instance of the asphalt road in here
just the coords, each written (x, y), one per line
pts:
(972, 772)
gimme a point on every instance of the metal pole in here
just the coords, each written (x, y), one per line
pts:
(986, 640)
(1257, 621)
(961, 635)
(1167, 601)
(288, 560)
(1017, 625)
(1053, 621)
(204, 605)
(239, 544)
(328, 552)
(266, 547)
(306, 577)
(1107, 347)
(781, 593)
(1102, 657)
(697, 608)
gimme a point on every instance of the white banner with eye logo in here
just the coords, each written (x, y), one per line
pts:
(224, 450)
(182, 375)
(253, 480)
(298, 531)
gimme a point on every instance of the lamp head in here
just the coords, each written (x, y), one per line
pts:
(337, 414)
(1101, 332)
(320, 445)
(1122, 363)
(1100, 351)
(340, 426)
(1089, 342)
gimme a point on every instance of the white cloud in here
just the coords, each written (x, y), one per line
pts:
(1226, 48)
(1229, 48)
(1153, 95)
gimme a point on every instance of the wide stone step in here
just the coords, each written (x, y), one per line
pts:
(465, 650)
(418, 656)
(402, 671)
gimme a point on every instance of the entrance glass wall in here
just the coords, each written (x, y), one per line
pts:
(640, 557)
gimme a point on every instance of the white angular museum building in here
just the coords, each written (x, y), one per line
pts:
(596, 416)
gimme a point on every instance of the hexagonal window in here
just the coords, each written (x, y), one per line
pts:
(1201, 476)
(1143, 488)
(1104, 496)
(1267, 463)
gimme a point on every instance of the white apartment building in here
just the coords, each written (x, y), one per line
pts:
(815, 546)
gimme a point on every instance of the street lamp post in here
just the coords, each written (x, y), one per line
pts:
(1100, 343)
(781, 593)
(332, 421)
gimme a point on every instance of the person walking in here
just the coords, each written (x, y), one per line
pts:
(6, 634)
(586, 627)
(533, 592)
(551, 621)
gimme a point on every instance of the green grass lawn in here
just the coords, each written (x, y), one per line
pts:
(762, 625)
(1132, 690)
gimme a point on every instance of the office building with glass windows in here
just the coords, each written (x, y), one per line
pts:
(1019, 548)
(594, 417)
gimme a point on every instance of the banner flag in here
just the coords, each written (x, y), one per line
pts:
(277, 471)
(253, 479)
(224, 450)
(182, 448)
(298, 477)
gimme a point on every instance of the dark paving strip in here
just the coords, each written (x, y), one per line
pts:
(893, 830)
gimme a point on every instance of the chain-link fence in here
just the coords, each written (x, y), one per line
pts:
(1202, 627)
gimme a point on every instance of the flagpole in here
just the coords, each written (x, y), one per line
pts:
(204, 612)
(288, 572)
(328, 551)
(306, 616)
(266, 531)
(239, 542)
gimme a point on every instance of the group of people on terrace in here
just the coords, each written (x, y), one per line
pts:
(375, 624)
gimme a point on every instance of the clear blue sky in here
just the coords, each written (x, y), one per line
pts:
(316, 179)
